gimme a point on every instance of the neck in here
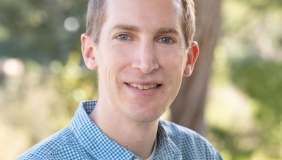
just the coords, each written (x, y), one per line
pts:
(138, 137)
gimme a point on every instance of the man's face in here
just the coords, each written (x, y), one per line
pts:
(141, 57)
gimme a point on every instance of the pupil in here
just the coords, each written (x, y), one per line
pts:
(166, 40)
(123, 37)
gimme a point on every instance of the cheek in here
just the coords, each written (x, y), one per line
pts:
(113, 59)
(117, 54)
(172, 62)
(173, 65)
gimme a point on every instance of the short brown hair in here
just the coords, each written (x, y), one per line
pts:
(95, 17)
(96, 14)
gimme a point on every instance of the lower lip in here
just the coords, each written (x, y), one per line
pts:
(144, 92)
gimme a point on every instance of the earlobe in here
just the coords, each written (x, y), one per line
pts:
(192, 56)
(87, 49)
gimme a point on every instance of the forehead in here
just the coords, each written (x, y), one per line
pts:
(145, 14)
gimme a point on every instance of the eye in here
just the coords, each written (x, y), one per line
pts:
(166, 40)
(123, 37)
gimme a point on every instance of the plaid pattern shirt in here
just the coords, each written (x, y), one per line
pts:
(83, 140)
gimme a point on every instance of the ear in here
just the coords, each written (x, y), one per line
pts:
(87, 48)
(192, 56)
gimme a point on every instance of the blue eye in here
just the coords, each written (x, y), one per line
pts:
(123, 37)
(166, 40)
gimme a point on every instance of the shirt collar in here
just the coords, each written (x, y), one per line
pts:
(96, 142)
(166, 149)
(92, 138)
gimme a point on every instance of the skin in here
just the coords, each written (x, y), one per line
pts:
(141, 43)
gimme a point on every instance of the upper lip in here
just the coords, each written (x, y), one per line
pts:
(143, 83)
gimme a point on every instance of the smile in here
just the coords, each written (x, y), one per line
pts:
(143, 87)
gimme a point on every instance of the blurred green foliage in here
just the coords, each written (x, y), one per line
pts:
(35, 29)
(42, 100)
(251, 39)
(263, 5)
(262, 81)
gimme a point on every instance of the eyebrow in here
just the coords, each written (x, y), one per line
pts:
(136, 29)
(126, 27)
(167, 31)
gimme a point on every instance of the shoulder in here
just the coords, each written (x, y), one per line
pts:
(188, 141)
(49, 146)
(175, 130)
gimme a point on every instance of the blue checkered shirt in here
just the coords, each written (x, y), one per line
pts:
(82, 139)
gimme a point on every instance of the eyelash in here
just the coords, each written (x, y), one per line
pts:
(120, 35)
(171, 40)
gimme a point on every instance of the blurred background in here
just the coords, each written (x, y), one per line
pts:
(239, 109)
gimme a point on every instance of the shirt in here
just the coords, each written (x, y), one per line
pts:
(82, 139)
(154, 151)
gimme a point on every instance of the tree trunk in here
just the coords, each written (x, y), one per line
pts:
(188, 107)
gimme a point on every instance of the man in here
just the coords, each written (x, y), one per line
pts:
(141, 49)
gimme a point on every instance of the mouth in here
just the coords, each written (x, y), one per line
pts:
(144, 87)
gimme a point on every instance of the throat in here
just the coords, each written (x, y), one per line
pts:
(138, 137)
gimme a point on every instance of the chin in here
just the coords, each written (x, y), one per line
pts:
(146, 119)
(142, 115)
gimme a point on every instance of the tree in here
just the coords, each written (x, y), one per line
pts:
(188, 107)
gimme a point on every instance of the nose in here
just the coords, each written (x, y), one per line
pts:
(145, 58)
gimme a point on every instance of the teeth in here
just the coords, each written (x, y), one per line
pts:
(139, 86)
(146, 87)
